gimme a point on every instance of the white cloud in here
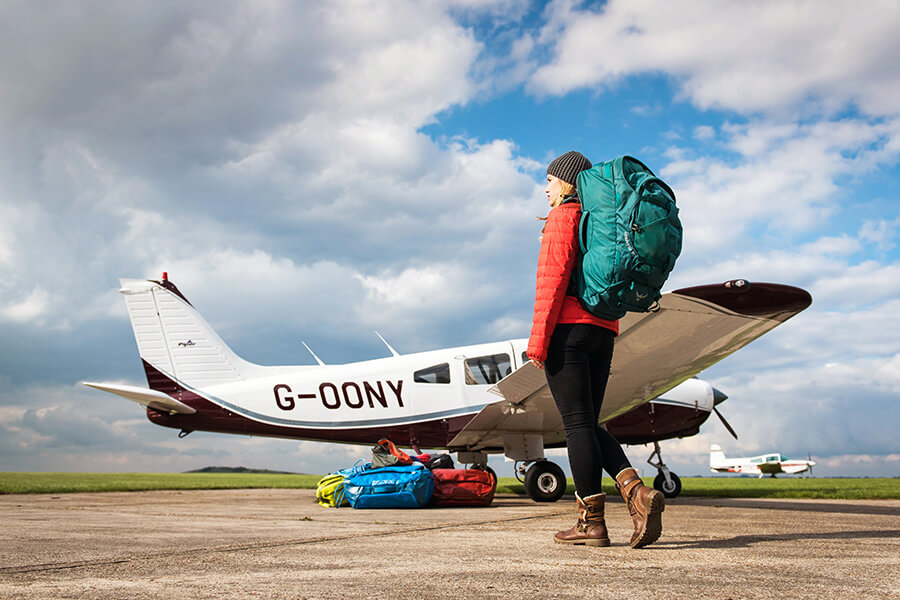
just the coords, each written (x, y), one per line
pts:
(841, 245)
(846, 461)
(28, 309)
(8, 227)
(704, 132)
(440, 286)
(778, 58)
(785, 178)
(826, 268)
(880, 232)
(510, 326)
(275, 130)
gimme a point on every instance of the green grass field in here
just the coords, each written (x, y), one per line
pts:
(61, 483)
(716, 487)
(783, 487)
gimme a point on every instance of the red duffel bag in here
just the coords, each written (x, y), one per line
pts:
(463, 487)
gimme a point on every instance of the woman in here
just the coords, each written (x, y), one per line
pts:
(575, 349)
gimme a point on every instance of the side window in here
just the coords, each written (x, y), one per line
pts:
(485, 370)
(525, 358)
(436, 374)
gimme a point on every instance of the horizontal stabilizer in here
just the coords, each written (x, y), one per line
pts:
(146, 397)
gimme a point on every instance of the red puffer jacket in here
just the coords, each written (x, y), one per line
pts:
(559, 251)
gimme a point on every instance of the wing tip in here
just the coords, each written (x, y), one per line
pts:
(758, 299)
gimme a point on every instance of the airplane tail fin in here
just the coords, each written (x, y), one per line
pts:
(716, 456)
(173, 338)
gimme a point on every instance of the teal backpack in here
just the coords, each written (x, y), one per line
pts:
(630, 236)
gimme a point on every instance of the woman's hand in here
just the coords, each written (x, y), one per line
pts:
(538, 363)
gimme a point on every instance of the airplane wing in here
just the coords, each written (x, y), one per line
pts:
(693, 329)
(770, 467)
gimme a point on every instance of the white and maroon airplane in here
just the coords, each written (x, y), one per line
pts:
(448, 398)
(764, 464)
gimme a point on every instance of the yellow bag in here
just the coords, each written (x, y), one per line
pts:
(330, 491)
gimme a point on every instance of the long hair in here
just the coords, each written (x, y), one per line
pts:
(566, 189)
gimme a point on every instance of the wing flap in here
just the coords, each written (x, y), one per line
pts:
(527, 408)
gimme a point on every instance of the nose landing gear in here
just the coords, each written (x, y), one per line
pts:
(666, 481)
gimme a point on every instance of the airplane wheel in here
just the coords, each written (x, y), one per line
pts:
(545, 481)
(669, 490)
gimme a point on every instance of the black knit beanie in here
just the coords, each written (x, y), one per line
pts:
(568, 166)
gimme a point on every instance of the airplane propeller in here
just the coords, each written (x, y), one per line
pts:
(724, 422)
(719, 397)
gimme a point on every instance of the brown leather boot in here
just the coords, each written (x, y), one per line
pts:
(590, 529)
(645, 505)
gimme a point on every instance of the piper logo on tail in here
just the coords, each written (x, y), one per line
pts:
(348, 393)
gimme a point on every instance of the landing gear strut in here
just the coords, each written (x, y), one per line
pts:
(666, 481)
(544, 481)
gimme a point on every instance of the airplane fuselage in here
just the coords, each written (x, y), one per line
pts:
(364, 402)
(424, 398)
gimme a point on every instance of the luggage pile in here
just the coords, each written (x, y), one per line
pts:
(394, 479)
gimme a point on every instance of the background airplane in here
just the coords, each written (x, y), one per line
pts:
(444, 398)
(764, 464)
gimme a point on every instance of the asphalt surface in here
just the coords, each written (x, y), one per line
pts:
(280, 544)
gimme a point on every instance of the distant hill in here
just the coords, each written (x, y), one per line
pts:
(240, 470)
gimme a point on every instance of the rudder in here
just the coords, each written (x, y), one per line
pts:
(716, 456)
(175, 339)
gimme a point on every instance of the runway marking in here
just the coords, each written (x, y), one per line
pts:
(60, 566)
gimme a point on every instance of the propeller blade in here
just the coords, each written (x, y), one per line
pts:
(719, 396)
(724, 422)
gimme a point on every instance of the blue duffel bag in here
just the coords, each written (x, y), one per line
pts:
(399, 486)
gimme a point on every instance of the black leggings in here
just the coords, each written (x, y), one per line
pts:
(577, 369)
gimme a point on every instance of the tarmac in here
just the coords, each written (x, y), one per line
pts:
(280, 544)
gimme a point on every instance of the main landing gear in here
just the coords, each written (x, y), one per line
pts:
(544, 481)
(666, 481)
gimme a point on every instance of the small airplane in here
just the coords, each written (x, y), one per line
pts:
(445, 398)
(764, 464)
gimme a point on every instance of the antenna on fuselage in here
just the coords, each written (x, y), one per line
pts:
(394, 352)
(318, 360)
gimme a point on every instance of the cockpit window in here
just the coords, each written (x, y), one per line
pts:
(436, 374)
(484, 370)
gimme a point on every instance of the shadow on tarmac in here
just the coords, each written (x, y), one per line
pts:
(830, 506)
(745, 541)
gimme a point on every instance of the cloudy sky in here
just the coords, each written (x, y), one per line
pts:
(314, 171)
